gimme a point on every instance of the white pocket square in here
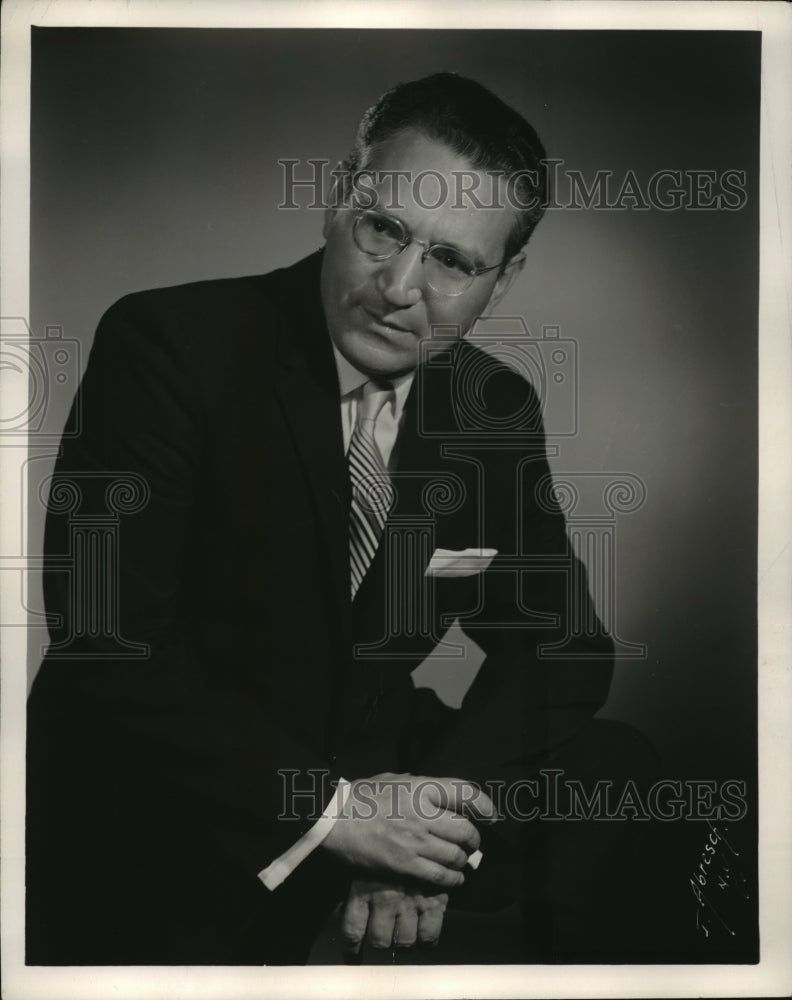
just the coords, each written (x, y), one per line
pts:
(465, 562)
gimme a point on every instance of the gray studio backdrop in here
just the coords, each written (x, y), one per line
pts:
(155, 161)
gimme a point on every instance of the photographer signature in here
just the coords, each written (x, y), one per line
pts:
(717, 882)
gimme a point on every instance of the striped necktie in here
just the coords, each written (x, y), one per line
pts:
(372, 493)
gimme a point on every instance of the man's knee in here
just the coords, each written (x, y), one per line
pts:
(610, 750)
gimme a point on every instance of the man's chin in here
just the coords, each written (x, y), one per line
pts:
(377, 357)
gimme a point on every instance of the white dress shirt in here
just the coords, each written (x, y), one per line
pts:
(391, 417)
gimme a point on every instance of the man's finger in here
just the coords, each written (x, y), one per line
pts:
(405, 933)
(430, 924)
(354, 923)
(456, 829)
(464, 797)
(381, 925)
(435, 874)
(444, 853)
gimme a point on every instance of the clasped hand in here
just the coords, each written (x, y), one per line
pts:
(404, 827)
(390, 915)
(411, 827)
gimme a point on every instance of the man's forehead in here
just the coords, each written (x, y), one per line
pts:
(419, 164)
(429, 185)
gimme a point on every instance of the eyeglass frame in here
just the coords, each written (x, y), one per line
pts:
(410, 239)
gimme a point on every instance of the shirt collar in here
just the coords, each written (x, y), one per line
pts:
(350, 379)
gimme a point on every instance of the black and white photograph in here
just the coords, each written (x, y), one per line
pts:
(396, 466)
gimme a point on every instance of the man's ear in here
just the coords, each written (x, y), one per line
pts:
(337, 195)
(503, 284)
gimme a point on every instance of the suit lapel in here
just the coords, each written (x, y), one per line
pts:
(429, 424)
(420, 438)
(307, 390)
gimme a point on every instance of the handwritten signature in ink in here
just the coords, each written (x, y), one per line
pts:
(717, 881)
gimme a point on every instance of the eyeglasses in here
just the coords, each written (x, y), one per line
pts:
(447, 270)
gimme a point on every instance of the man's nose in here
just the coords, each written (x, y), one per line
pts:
(400, 280)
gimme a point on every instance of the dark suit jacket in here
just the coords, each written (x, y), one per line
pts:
(156, 781)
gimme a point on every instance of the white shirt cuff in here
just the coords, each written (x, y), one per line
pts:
(283, 866)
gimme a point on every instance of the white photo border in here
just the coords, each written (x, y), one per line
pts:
(773, 975)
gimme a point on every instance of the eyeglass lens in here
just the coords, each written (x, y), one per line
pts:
(447, 270)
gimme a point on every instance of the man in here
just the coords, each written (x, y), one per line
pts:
(326, 476)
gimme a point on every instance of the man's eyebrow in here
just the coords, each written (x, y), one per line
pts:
(472, 255)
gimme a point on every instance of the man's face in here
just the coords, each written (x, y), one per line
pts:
(378, 310)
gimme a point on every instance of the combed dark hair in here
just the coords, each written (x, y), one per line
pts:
(474, 123)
